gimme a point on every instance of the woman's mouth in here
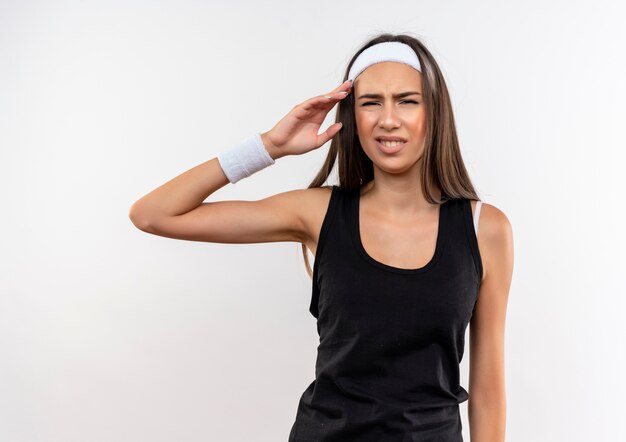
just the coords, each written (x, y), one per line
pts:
(390, 147)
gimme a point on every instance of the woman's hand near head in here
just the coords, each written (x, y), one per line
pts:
(296, 133)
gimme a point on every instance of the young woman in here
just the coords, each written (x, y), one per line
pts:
(405, 258)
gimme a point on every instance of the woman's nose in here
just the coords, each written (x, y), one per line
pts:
(388, 117)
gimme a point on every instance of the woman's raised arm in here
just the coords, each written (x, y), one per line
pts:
(177, 209)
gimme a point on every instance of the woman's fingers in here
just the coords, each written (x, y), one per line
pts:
(294, 131)
(346, 85)
(343, 89)
(335, 96)
(322, 101)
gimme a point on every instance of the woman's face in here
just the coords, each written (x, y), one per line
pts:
(380, 112)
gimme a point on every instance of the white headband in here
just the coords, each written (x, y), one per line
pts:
(386, 51)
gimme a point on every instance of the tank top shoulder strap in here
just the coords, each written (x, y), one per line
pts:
(477, 215)
(337, 196)
(465, 231)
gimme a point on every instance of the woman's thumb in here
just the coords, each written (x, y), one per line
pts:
(331, 132)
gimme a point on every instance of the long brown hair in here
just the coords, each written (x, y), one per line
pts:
(442, 165)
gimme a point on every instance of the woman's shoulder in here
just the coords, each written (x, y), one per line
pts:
(495, 232)
(491, 217)
(317, 202)
(318, 199)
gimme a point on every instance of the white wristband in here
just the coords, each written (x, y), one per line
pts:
(245, 158)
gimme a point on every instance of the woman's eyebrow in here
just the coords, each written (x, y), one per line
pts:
(400, 95)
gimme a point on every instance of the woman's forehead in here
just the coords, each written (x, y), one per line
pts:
(388, 76)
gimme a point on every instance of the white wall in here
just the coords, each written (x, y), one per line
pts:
(111, 334)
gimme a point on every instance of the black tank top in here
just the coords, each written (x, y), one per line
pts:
(391, 339)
